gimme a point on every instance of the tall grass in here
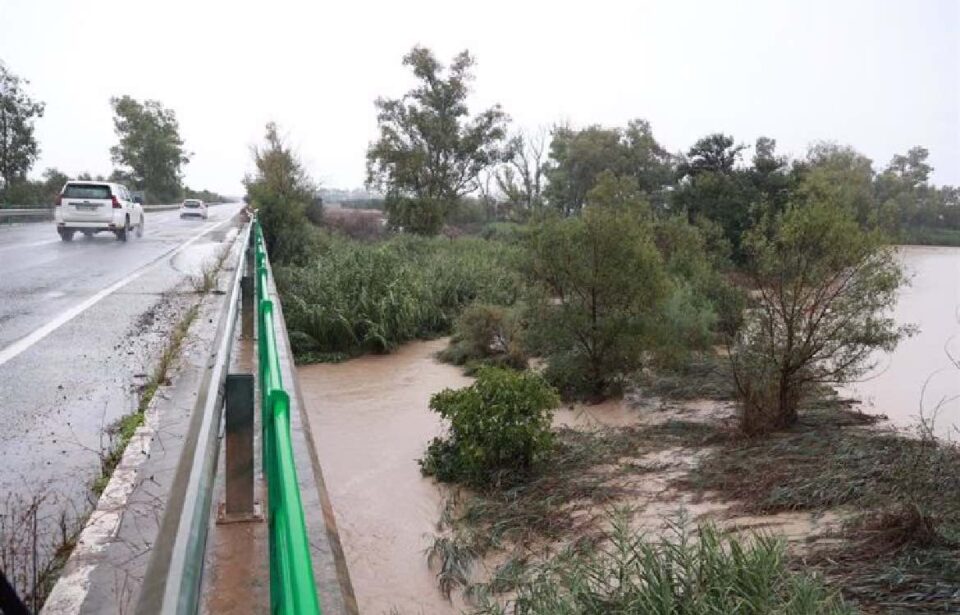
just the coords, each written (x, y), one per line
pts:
(678, 575)
(360, 297)
(927, 236)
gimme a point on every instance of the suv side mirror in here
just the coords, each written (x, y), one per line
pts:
(138, 200)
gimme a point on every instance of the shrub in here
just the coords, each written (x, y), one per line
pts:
(487, 333)
(702, 303)
(315, 211)
(365, 225)
(679, 574)
(510, 232)
(687, 324)
(500, 425)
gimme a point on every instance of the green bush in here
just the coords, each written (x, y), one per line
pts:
(703, 303)
(499, 426)
(687, 324)
(354, 297)
(487, 334)
(678, 575)
(510, 232)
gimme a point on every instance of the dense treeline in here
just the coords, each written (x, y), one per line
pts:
(433, 160)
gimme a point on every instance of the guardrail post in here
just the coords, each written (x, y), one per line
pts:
(246, 306)
(239, 504)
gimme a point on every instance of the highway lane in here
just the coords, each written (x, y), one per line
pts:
(42, 276)
(81, 324)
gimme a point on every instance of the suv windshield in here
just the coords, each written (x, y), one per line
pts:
(86, 191)
(191, 203)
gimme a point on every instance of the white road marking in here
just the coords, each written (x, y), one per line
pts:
(28, 245)
(63, 318)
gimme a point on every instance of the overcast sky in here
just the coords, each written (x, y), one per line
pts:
(880, 75)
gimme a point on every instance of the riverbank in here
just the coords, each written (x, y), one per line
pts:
(831, 487)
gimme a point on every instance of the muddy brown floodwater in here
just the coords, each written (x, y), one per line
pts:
(921, 367)
(371, 422)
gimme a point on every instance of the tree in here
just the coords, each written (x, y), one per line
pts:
(770, 176)
(598, 285)
(431, 151)
(903, 194)
(150, 147)
(714, 153)
(520, 178)
(281, 191)
(824, 288)
(18, 146)
(648, 163)
(711, 187)
(578, 157)
(841, 175)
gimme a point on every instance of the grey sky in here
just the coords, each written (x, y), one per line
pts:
(880, 75)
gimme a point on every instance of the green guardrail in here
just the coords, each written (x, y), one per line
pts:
(292, 587)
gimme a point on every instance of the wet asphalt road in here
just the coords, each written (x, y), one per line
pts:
(81, 324)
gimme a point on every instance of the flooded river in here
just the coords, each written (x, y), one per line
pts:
(371, 423)
(932, 303)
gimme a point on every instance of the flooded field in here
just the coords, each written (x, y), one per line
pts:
(919, 374)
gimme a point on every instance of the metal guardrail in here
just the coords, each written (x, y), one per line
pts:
(36, 212)
(173, 576)
(292, 586)
(47, 212)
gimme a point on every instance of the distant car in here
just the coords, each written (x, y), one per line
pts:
(92, 207)
(193, 207)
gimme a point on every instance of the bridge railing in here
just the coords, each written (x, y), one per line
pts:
(292, 586)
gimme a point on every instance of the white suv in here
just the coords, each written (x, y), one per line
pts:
(193, 207)
(91, 207)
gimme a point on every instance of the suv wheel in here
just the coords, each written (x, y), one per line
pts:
(122, 233)
(66, 234)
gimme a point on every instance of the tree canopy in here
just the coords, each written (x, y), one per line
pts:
(18, 146)
(150, 152)
(430, 150)
(579, 157)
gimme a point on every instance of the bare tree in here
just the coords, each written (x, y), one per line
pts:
(520, 179)
(485, 188)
